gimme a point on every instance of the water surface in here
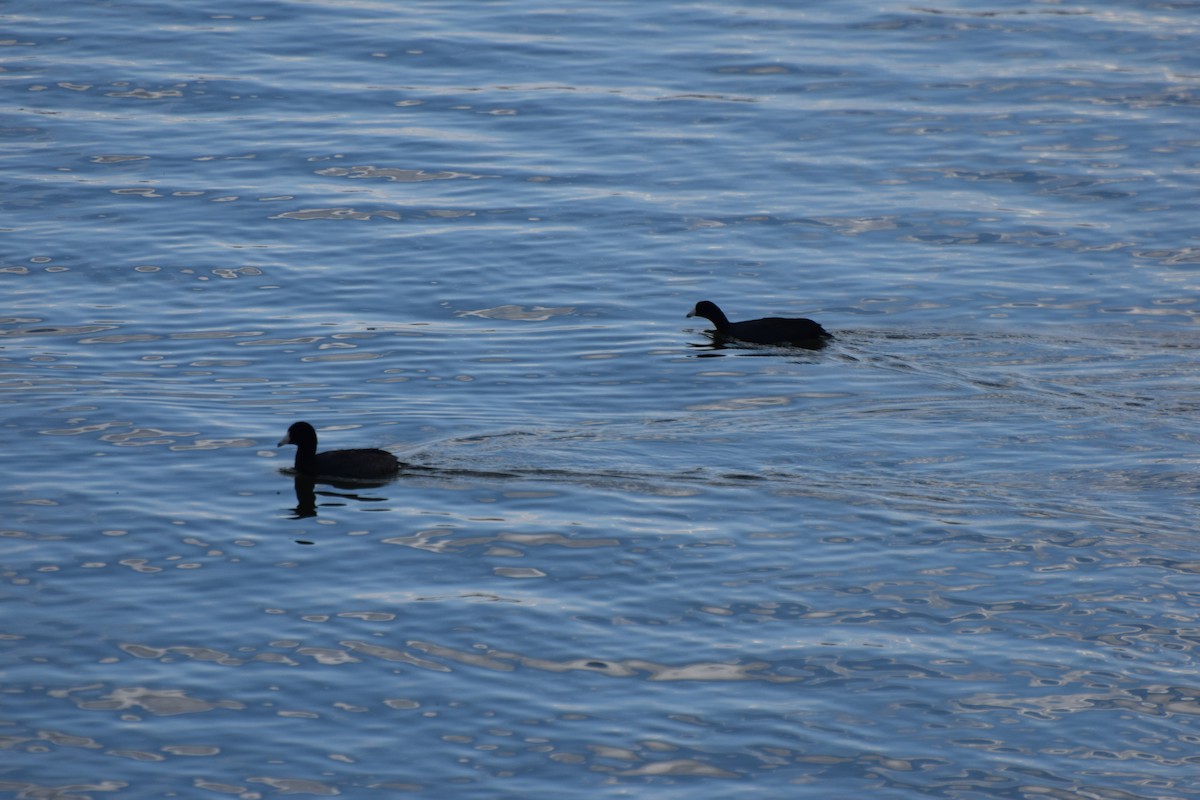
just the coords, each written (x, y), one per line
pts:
(950, 555)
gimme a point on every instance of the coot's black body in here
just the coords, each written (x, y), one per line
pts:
(768, 330)
(362, 464)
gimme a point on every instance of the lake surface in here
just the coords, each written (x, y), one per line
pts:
(953, 554)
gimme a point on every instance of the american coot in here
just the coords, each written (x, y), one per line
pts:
(769, 330)
(364, 464)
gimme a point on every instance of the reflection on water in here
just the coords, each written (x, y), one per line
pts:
(717, 343)
(352, 491)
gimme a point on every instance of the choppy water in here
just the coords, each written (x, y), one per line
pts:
(953, 554)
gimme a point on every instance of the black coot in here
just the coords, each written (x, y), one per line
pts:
(769, 330)
(364, 464)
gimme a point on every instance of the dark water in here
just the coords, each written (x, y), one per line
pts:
(953, 554)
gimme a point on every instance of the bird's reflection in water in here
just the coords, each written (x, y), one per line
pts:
(716, 343)
(306, 497)
(306, 494)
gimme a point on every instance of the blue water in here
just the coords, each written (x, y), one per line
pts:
(951, 555)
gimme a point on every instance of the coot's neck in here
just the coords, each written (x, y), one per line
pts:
(717, 317)
(306, 458)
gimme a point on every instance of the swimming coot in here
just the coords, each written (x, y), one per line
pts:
(364, 464)
(769, 330)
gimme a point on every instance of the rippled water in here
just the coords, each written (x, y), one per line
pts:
(952, 554)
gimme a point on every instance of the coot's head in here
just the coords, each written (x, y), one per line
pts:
(710, 312)
(300, 434)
